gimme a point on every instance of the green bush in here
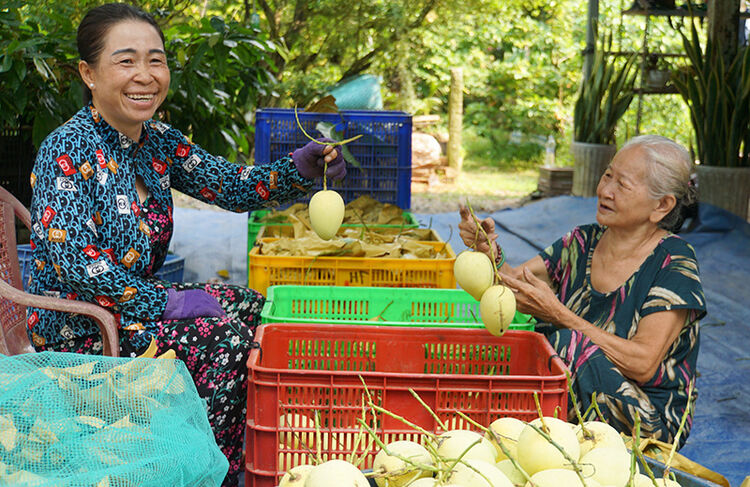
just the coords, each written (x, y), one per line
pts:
(218, 71)
(38, 74)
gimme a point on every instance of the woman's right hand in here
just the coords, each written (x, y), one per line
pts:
(473, 237)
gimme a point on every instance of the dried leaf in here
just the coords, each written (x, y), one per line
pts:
(123, 422)
(169, 354)
(150, 352)
(327, 104)
(20, 477)
(32, 453)
(82, 370)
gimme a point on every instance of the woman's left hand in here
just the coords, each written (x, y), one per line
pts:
(534, 296)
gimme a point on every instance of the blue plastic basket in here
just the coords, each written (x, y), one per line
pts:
(172, 270)
(24, 260)
(683, 478)
(383, 151)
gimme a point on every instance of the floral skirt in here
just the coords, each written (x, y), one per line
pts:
(215, 351)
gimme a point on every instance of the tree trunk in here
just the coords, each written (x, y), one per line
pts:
(455, 118)
(724, 24)
(592, 19)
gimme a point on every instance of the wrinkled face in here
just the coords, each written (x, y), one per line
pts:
(624, 199)
(131, 77)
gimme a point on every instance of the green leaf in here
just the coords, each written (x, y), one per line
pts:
(20, 70)
(603, 97)
(7, 63)
(327, 130)
(348, 157)
(218, 24)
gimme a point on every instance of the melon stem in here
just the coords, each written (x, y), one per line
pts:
(487, 237)
(325, 170)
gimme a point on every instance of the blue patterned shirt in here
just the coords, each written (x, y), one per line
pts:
(89, 239)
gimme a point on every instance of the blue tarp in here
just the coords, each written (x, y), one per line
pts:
(720, 439)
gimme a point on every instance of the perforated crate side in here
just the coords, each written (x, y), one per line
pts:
(383, 151)
(24, 260)
(272, 270)
(173, 268)
(328, 371)
(416, 307)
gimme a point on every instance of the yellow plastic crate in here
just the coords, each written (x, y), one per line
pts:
(274, 270)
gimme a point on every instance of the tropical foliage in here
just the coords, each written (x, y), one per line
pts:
(40, 84)
(219, 69)
(521, 62)
(604, 96)
(718, 96)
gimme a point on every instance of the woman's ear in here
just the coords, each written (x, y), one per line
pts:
(86, 72)
(665, 205)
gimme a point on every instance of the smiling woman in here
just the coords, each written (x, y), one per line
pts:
(102, 218)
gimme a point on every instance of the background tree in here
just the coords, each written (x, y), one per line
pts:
(219, 69)
(521, 61)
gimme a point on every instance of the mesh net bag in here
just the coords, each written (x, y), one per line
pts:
(80, 420)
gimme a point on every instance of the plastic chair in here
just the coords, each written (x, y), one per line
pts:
(13, 300)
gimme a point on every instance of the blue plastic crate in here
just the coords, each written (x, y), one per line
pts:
(172, 270)
(683, 478)
(24, 259)
(383, 151)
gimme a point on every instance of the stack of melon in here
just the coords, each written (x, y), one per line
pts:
(546, 452)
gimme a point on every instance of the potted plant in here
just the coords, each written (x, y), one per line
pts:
(656, 72)
(717, 93)
(603, 98)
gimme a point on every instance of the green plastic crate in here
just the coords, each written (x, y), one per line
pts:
(255, 223)
(450, 308)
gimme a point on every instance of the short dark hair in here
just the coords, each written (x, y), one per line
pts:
(96, 23)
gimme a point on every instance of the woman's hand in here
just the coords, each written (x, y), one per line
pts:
(535, 297)
(191, 303)
(313, 157)
(473, 237)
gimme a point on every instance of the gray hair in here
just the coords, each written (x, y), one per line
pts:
(669, 170)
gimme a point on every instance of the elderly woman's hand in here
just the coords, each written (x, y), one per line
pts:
(534, 296)
(473, 237)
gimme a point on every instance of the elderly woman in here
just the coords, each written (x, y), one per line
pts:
(623, 295)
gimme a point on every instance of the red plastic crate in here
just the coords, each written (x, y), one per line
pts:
(324, 370)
